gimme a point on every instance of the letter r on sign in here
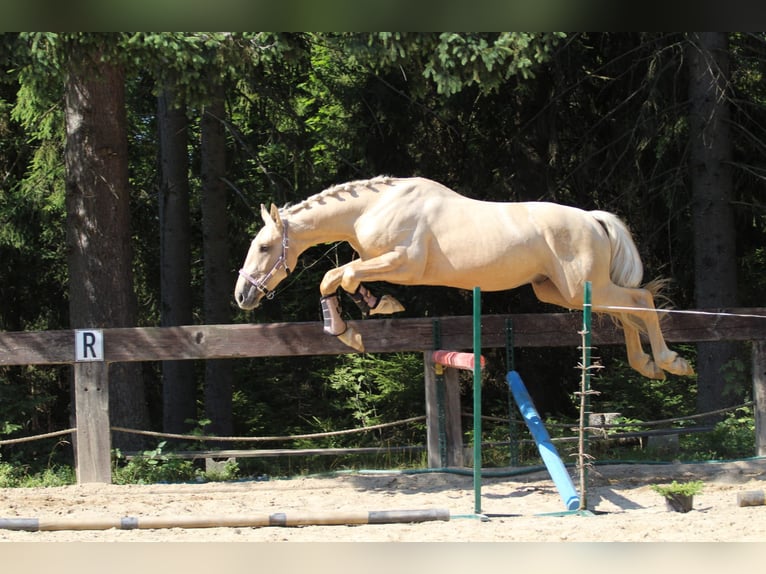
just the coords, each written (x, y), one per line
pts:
(88, 345)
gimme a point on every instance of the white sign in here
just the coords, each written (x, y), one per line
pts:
(88, 345)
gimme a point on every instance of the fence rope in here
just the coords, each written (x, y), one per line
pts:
(351, 431)
(677, 419)
(36, 437)
(265, 438)
(600, 308)
(630, 424)
(7, 442)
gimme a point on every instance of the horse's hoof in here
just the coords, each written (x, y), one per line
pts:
(644, 365)
(649, 369)
(351, 338)
(652, 371)
(387, 306)
(681, 367)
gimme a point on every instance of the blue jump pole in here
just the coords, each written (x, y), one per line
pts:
(548, 452)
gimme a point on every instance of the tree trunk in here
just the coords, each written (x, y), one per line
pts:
(715, 264)
(218, 276)
(98, 223)
(178, 383)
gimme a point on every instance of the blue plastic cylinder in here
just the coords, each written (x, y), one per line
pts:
(548, 452)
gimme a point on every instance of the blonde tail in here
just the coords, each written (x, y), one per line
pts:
(626, 269)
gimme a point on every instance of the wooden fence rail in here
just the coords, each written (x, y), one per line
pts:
(92, 350)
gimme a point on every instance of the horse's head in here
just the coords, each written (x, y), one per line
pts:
(266, 262)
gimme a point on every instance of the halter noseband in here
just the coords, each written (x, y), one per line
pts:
(281, 261)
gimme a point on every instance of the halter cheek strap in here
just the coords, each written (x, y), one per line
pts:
(281, 262)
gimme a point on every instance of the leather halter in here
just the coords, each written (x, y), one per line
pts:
(281, 261)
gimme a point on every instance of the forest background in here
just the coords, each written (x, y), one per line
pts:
(132, 166)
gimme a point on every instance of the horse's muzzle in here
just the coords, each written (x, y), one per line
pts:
(247, 297)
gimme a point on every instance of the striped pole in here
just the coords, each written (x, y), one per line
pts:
(232, 521)
(457, 360)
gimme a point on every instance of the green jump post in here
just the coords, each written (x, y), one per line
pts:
(477, 399)
(586, 359)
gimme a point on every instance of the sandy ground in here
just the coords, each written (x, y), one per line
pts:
(625, 508)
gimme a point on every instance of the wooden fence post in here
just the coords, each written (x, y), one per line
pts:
(452, 422)
(94, 444)
(759, 396)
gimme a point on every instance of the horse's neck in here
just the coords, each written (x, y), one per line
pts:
(331, 215)
(323, 223)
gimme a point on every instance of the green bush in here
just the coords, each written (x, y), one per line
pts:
(159, 465)
(684, 489)
(15, 476)
(733, 437)
(153, 466)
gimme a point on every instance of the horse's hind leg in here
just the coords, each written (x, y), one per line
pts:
(637, 358)
(547, 292)
(646, 315)
(612, 295)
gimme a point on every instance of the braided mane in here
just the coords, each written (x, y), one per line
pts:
(350, 187)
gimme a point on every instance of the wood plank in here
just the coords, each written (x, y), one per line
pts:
(277, 452)
(725, 324)
(380, 335)
(36, 347)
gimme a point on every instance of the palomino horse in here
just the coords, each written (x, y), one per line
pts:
(417, 232)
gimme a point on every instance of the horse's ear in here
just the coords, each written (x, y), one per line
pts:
(265, 215)
(271, 218)
(275, 216)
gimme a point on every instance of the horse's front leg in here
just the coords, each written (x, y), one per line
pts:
(349, 277)
(334, 324)
(369, 304)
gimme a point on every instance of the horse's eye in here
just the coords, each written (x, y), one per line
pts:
(263, 248)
